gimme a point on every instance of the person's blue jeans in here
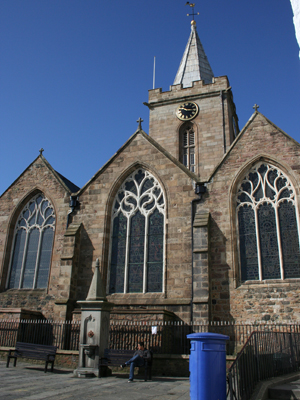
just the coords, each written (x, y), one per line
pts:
(135, 361)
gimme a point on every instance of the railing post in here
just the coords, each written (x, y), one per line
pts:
(257, 358)
(292, 351)
(229, 376)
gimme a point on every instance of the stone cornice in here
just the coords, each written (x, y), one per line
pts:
(159, 103)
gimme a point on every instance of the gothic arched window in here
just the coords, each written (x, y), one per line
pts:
(32, 245)
(187, 146)
(267, 225)
(137, 242)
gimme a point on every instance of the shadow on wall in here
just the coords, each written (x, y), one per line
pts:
(220, 287)
(85, 270)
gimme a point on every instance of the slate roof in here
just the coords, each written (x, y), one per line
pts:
(190, 174)
(194, 64)
(73, 188)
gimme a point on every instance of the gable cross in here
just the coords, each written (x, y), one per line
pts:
(255, 107)
(140, 120)
(41, 151)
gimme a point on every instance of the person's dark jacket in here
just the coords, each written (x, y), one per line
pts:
(145, 354)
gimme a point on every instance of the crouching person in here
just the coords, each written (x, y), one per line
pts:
(138, 359)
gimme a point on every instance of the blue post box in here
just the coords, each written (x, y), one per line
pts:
(207, 366)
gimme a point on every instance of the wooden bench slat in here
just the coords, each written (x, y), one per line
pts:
(35, 351)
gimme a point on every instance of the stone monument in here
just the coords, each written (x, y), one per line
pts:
(94, 331)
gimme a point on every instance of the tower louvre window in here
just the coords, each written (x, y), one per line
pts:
(267, 225)
(137, 242)
(33, 242)
(187, 149)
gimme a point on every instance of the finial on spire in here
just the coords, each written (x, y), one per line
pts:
(255, 107)
(194, 65)
(140, 120)
(193, 13)
(41, 151)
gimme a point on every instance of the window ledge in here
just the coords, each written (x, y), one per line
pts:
(269, 282)
(142, 299)
(25, 290)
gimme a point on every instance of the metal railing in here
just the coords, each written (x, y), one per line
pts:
(64, 335)
(169, 337)
(163, 337)
(265, 355)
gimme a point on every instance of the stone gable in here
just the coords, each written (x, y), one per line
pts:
(95, 215)
(38, 177)
(230, 298)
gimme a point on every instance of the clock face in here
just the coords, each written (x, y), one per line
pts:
(187, 111)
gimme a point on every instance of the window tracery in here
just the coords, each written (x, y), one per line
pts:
(267, 225)
(137, 242)
(32, 245)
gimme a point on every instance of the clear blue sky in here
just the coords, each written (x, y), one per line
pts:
(74, 73)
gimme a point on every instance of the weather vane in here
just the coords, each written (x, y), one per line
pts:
(191, 5)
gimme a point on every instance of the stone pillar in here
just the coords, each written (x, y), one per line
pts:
(94, 332)
(201, 267)
(67, 280)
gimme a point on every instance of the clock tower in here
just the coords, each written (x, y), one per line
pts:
(196, 120)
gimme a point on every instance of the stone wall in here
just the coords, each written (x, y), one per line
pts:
(212, 126)
(95, 216)
(20, 314)
(38, 177)
(230, 298)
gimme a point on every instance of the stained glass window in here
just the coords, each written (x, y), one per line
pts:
(33, 242)
(267, 225)
(118, 255)
(155, 252)
(248, 248)
(137, 242)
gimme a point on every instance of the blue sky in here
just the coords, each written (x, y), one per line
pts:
(74, 73)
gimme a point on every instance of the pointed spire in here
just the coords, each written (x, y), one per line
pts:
(97, 291)
(194, 65)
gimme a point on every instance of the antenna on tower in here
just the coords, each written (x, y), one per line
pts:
(154, 73)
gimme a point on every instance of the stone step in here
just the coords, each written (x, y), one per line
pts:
(288, 391)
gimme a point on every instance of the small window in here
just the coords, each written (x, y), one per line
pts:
(187, 146)
(33, 242)
(267, 225)
(235, 127)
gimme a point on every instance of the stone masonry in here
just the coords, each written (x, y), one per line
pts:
(201, 273)
(38, 177)
(213, 124)
(270, 300)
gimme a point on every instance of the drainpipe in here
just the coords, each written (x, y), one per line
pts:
(73, 203)
(200, 189)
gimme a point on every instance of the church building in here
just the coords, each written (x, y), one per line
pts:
(195, 221)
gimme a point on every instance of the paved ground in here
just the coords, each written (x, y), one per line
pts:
(289, 390)
(283, 385)
(29, 382)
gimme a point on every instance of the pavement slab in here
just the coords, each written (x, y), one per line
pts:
(29, 382)
(286, 391)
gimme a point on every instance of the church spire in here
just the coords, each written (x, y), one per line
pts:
(194, 65)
